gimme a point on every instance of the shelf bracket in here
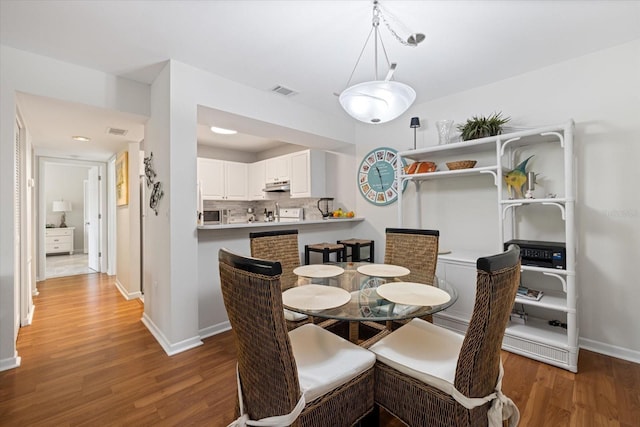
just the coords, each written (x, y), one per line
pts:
(495, 176)
(560, 206)
(507, 142)
(560, 137)
(506, 208)
(562, 280)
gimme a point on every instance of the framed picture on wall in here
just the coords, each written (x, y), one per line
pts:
(122, 179)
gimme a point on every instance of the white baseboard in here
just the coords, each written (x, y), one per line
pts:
(215, 329)
(610, 350)
(127, 295)
(10, 363)
(170, 348)
(29, 318)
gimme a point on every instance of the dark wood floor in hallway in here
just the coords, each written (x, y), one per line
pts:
(87, 359)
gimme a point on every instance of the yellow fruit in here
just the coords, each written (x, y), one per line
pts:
(336, 214)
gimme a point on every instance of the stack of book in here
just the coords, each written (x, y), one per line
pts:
(529, 293)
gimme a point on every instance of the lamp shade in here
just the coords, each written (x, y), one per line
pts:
(61, 206)
(377, 101)
(415, 122)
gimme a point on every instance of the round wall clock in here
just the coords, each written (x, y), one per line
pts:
(377, 176)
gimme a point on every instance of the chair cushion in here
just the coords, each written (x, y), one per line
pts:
(325, 361)
(423, 351)
(293, 316)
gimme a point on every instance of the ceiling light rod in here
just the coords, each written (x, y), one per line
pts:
(378, 101)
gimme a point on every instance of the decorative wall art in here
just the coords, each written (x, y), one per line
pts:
(156, 192)
(377, 176)
(122, 179)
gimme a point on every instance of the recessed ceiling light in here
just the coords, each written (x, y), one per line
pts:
(81, 138)
(223, 131)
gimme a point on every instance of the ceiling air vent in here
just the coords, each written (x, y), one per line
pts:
(283, 90)
(117, 132)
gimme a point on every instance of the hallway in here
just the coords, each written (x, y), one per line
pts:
(67, 265)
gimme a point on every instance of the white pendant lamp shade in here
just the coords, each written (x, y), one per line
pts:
(377, 101)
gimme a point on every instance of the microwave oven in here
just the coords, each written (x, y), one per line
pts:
(215, 216)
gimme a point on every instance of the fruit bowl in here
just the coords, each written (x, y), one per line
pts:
(461, 164)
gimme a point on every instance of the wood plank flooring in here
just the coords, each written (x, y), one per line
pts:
(87, 360)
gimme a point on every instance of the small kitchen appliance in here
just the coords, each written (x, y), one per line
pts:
(215, 216)
(325, 206)
(291, 214)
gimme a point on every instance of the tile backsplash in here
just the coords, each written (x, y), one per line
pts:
(238, 209)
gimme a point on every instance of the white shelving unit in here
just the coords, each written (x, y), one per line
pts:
(517, 219)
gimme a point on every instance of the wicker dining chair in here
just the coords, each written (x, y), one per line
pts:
(417, 250)
(275, 367)
(282, 246)
(414, 249)
(426, 374)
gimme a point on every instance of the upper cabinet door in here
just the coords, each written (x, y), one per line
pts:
(277, 169)
(236, 181)
(308, 174)
(211, 178)
(257, 180)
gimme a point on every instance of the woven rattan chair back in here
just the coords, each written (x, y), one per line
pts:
(253, 299)
(414, 249)
(479, 361)
(281, 246)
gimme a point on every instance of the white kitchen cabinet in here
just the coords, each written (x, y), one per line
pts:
(547, 217)
(236, 176)
(277, 169)
(59, 240)
(308, 174)
(222, 180)
(257, 173)
(211, 178)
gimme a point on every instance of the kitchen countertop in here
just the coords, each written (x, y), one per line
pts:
(258, 224)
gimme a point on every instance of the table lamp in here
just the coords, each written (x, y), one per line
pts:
(62, 206)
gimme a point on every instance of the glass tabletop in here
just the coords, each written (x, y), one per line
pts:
(365, 303)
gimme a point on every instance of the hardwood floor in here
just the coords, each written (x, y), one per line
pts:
(88, 360)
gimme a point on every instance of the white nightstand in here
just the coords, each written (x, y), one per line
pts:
(59, 240)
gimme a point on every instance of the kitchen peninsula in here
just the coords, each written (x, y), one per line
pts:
(328, 222)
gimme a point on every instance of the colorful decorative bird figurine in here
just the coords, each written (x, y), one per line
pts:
(516, 179)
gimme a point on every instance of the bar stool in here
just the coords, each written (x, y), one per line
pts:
(355, 245)
(326, 249)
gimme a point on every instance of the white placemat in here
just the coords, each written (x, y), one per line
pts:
(410, 293)
(383, 270)
(315, 297)
(318, 270)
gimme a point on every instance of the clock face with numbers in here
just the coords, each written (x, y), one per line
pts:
(377, 176)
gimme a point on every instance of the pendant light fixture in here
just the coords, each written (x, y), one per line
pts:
(379, 101)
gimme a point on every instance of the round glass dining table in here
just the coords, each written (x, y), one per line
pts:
(366, 301)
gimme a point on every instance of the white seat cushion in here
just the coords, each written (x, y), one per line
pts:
(423, 351)
(325, 361)
(293, 316)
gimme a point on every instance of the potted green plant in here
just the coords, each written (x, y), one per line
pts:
(482, 127)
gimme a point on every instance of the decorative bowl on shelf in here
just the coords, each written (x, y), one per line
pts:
(420, 167)
(461, 164)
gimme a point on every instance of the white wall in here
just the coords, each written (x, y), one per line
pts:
(128, 256)
(39, 75)
(171, 261)
(601, 92)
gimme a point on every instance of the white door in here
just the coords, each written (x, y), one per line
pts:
(93, 219)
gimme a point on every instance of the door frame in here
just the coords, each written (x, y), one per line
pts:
(104, 235)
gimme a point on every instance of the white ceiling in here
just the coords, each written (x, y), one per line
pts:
(308, 46)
